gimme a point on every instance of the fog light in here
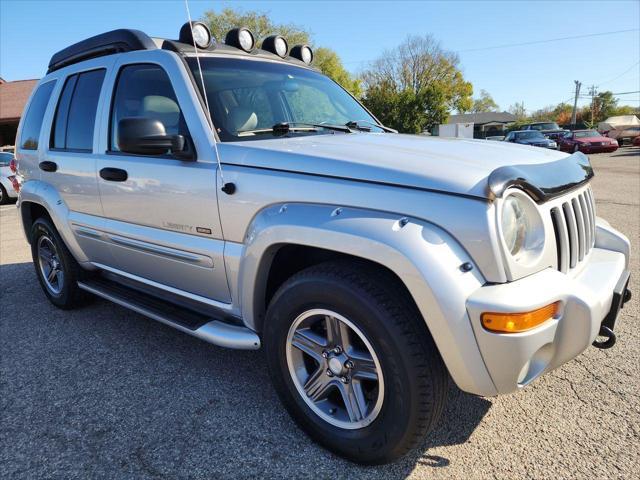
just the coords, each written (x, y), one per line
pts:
(519, 322)
(302, 53)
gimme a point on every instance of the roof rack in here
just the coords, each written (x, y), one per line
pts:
(115, 41)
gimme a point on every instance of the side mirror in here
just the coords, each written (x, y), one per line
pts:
(146, 136)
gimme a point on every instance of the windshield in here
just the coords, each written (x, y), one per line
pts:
(589, 133)
(5, 159)
(528, 135)
(247, 98)
(545, 126)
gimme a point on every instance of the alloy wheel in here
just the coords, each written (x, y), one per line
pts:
(335, 369)
(50, 265)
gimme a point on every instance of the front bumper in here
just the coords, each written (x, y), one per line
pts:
(516, 359)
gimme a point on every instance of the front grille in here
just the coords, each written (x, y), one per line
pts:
(574, 223)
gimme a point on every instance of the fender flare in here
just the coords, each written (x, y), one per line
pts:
(45, 195)
(426, 259)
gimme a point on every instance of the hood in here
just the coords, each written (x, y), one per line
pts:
(534, 141)
(452, 165)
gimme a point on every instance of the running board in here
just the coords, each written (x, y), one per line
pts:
(200, 326)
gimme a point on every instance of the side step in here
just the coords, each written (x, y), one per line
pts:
(190, 322)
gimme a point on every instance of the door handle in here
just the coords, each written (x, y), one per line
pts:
(48, 166)
(114, 174)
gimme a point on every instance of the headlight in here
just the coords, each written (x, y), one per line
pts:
(553, 144)
(522, 227)
(514, 225)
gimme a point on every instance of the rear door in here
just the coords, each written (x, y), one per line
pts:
(68, 163)
(161, 214)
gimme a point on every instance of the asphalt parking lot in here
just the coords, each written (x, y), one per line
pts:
(102, 392)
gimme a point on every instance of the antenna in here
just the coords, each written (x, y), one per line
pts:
(228, 188)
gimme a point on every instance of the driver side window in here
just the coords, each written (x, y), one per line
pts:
(144, 90)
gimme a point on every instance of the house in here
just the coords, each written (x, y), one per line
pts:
(485, 124)
(13, 98)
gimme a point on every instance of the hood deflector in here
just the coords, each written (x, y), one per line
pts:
(542, 181)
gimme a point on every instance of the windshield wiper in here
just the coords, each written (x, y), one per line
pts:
(355, 124)
(282, 128)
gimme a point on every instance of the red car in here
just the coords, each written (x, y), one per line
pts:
(636, 141)
(586, 141)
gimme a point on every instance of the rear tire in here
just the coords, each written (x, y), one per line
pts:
(412, 376)
(57, 270)
(4, 196)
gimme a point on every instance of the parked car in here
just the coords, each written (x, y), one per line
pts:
(530, 137)
(208, 190)
(586, 141)
(636, 141)
(7, 178)
(548, 129)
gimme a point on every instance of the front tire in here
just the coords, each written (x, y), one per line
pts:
(57, 270)
(353, 362)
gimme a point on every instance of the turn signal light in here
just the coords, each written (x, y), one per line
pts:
(519, 322)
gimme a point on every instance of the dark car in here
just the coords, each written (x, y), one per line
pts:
(587, 141)
(530, 137)
(548, 129)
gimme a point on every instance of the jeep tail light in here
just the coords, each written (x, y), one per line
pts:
(13, 166)
(519, 322)
(14, 183)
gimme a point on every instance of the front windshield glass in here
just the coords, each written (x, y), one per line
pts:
(545, 126)
(528, 135)
(589, 133)
(5, 159)
(248, 97)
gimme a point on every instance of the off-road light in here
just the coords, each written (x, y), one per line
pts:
(276, 44)
(302, 53)
(241, 38)
(196, 32)
(519, 322)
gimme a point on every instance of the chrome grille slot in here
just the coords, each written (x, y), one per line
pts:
(574, 224)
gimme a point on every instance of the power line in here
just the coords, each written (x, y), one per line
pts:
(621, 75)
(535, 42)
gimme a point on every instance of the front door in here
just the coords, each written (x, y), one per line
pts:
(161, 212)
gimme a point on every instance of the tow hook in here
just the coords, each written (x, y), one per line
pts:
(610, 338)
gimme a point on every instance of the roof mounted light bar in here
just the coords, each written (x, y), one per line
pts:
(115, 41)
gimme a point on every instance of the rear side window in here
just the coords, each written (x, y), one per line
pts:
(76, 113)
(144, 90)
(33, 120)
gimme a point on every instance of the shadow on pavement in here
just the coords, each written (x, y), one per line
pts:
(101, 391)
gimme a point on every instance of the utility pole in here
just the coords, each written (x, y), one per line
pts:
(593, 92)
(575, 104)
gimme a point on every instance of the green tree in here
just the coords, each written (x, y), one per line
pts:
(485, 103)
(604, 106)
(414, 86)
(328, 61)
(262, 26)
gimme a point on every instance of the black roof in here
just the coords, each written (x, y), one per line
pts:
(128, 40)
(115, 41)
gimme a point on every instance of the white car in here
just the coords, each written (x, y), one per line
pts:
(7, 177)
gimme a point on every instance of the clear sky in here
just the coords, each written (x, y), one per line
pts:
(538, 75)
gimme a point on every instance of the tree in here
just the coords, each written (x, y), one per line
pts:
(328, 61)
(414, 86)
(604, 106)
(518, 110)
(261, 26)
(485, 103)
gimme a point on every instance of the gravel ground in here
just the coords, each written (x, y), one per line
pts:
(102, 392)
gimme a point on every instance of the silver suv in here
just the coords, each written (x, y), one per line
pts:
(238, 195)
